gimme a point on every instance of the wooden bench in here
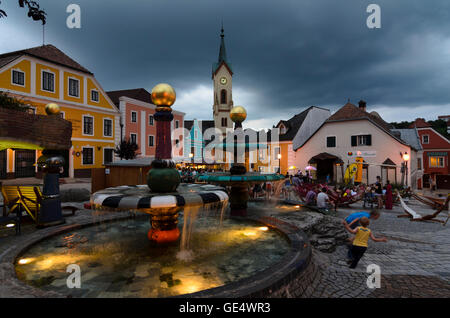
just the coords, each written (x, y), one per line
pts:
(28, 198)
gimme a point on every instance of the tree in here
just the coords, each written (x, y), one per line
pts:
(12, 103)
(34, 11)
(126, 149)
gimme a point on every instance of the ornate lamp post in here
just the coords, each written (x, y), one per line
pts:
(239, 192)
(406, 158)
(50, 162)
(279, 162)
(163, 177)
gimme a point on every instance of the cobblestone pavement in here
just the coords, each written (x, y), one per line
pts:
(415, 262)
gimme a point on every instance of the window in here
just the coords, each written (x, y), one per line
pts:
(425, 139)
(74, 87)
(108, 155)
(223, 96)
(62, 115)
(436, 162)
(88, 156)
(32, 110)
(177, 124)
(361, 140)
(419, 164)
(277, 152)
(331, 142)
(88, 125)
(18, 78)
(94, 96)
(177, 141)
(224, 122)
(107, 127)
(151, 141)
(133, 117)
(48, 81)
(133, 138)
(150, 120)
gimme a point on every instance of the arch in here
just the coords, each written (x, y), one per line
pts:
(223, 96)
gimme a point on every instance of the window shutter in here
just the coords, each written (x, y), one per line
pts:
(369, 140)
(354, 141)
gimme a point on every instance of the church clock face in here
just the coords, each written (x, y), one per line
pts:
(223, 81)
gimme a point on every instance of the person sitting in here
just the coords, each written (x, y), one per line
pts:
(311, 197)
(323, 201)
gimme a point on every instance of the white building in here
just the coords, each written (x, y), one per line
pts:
(349, 132)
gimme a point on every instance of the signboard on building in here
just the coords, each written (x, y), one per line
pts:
(364, 154)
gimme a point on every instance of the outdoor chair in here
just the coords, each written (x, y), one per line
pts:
(28, 198)
(414, 216)
(11, 200)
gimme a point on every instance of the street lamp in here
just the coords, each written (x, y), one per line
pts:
(279, 163)
(405, 157)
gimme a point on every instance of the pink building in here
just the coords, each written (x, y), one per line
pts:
(137, 122)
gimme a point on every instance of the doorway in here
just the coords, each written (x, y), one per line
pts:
(25, 161)
(3, 164)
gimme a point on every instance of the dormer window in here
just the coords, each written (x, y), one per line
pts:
(283, 129)
(18, 78)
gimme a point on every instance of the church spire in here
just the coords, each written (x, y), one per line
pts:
(222, 52)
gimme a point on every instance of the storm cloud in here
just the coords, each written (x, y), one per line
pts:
(286, 55)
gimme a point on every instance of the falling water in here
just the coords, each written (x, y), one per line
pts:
(277, 190)
(223, 208)
(189, 217)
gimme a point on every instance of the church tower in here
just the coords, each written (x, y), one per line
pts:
(223, 95)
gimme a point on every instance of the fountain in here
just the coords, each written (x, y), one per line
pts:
(163, 197)
(238, 178)
(232, 257)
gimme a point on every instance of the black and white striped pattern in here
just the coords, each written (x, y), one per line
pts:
(139, 197)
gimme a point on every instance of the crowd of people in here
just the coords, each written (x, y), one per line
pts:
(188, 175)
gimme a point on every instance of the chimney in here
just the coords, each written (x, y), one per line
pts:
(362, 105)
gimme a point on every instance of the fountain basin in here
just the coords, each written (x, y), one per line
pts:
(249, 178)
(292, 257)
(163, 207)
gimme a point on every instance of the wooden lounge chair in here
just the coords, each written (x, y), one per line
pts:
(426, 200)
(414, 216)
(11, 200)
(28, 198)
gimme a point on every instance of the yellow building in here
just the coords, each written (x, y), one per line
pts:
(43, 75)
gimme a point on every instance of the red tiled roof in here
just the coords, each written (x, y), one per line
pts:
(420, 123)
(46, 52)
(137, 93)
(352, 112)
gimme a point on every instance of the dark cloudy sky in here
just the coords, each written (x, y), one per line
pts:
(286, 54)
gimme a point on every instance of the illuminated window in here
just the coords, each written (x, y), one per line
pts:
(437, 162)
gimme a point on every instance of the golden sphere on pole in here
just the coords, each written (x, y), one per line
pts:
(238, 114)
(163, 95)
(52, 109)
